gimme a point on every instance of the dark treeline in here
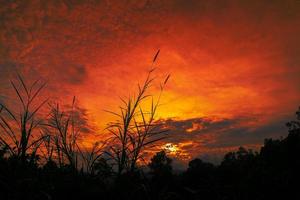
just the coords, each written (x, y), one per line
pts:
(273, 172)
(41, 156)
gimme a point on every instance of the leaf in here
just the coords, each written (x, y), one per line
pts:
(37, 92)
(151, 70)
(18, 93)
(166, 80)
(73, 102)
(23, 84)
(111, 112)
(153, 141)
(156, 55)
(37, 109)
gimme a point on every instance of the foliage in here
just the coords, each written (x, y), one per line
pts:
(160, 164)
(65, 133)
(273, 172)
(71, 172)
(20, 134)
(131, 136)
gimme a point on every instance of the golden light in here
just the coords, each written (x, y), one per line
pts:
(177, 150)
(195, 127)
(171, 148)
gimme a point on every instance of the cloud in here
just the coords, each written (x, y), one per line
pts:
(216, 136)
(226, 58)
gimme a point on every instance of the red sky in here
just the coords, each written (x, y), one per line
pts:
(234, 65)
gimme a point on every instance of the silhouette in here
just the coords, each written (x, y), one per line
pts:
(53, 166)
(135, 128)
(160, 165)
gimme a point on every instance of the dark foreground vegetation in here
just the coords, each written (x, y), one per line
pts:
(272, 173)
(41, 156)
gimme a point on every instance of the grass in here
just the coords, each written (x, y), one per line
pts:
(19, 133)
(70, 171)
(130, 136)
(54, 137)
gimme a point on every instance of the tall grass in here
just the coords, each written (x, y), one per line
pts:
(65, 133)
(135, 128)
(93, 157)
(56, 136)
(19, 129)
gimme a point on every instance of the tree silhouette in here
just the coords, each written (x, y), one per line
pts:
(271, 173)
(294, 126)
(160, 165)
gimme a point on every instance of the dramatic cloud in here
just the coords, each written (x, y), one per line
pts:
(199, 137)
(227, 59)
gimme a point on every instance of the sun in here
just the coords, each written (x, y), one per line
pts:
(171, 148)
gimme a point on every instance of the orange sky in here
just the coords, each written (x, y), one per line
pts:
(234, 65)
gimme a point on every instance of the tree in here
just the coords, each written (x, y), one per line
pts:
(102, 168)
(160, 165)
(294, 126)
(198, 166)
(241, 157)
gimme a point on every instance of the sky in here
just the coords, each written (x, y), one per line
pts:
(234, 65)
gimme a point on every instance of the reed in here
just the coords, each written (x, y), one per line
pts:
(64, 132)
(21, 133)
(135, 128)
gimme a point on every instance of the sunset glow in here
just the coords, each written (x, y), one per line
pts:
(234, 66)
